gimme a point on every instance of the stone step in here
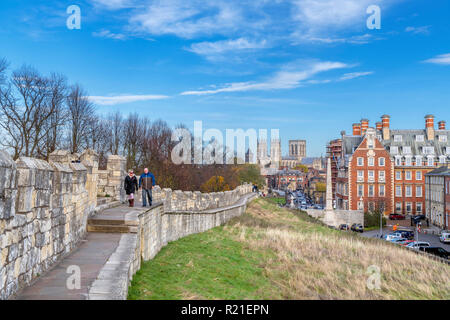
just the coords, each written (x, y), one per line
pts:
(103, 221)
(111, 228)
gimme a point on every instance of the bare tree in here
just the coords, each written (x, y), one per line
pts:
(81, 112)
(135, 129)
(116, 132)
(27, 103)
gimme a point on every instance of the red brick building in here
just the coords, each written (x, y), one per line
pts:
(370, 176)
(409, 155)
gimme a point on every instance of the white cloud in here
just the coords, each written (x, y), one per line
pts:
(292, 76)
(353, 75)
(108, 34)
(113, 100)
(220, 47)
(418, 30)
(443, 59)
(113, 4)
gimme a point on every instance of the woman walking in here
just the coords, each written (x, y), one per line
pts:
(131, 185)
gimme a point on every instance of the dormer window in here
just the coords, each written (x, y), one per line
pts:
(442, 159)
(397, 138)
(418, 161)
(407, 150)
(394, 150)
(420, 138)
(442, 138)
(447, 150)
(398, 161)
(428, 150)
(408, 161)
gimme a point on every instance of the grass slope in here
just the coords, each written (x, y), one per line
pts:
(274, 253)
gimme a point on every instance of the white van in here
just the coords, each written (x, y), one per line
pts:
(445, 237)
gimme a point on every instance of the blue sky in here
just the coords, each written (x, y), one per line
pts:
(307, 67)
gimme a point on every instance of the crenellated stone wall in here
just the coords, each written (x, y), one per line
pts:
(44, 208)
(110, 181)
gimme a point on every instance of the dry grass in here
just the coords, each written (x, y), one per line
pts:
(311, 261)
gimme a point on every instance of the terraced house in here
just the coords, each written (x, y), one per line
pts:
(384, 168)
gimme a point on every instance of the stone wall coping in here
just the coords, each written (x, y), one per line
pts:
(62, 167)
(33, 163)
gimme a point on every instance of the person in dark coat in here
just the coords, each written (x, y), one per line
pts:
(131, 185)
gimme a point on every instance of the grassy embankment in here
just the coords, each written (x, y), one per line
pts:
(274, 253)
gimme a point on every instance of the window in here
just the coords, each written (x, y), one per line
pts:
(407, 149)
(419, 207)
(398, 161)
(408, 161)
(428, 150)
(398, 207)
(408, 191)
(371, 190)
(360, 205)
(418, 161)
(381, 162)
(420, 138)
(382, 190)
(371, 175)
(418, 175)
(371, 206)
(408, 207)
(418, 191)
(360, 162)
(442, 138)
(394, 150)
(442, 159)
(447, 150)
(397, 138)
(381, 176)
(360, 190)
(398, 191)
(371, 162)
(408, 175)
(398, 175)
(360, 176)
(430, 161)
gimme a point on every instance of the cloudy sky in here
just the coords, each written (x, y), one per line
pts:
(307, 67)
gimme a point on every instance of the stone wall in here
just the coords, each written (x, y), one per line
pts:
(110, 181)
(156, 228)
(339, 217)
(44, 208)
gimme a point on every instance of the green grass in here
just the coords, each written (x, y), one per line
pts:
(209, 265)
(276, 253)
(278, 200)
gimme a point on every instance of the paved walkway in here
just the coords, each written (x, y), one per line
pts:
(91, 255)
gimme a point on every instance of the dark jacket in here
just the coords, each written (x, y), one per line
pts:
(147, 181)
(131, 184)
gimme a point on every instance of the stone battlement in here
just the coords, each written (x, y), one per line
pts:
(44, 208)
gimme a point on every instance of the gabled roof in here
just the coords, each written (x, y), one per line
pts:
(441, 171)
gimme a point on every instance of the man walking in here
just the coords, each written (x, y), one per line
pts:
(146, 182)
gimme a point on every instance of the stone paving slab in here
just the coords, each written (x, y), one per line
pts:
(90, 256)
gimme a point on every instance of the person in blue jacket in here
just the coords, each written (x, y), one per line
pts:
(147, 182)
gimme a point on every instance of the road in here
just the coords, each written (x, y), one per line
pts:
(430, 238)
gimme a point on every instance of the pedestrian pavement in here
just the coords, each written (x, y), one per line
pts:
(90, 256)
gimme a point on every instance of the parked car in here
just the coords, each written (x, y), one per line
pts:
(344, 227)
(396, 216)
(394, 236)
(437, 251)
(417, 244)
(357, 227)
(445, 237)
(407, 234)
(405, 242)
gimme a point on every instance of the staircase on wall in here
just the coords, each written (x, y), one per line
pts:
(118, 219)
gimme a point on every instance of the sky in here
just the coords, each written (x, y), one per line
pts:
(309, 68)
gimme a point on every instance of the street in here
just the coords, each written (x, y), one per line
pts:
(432, 239)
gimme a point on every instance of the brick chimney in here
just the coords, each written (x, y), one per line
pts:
(356, 129)
(364, 126)
(441, 125)
(429, 126)
(385, 123)
(379, 126)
